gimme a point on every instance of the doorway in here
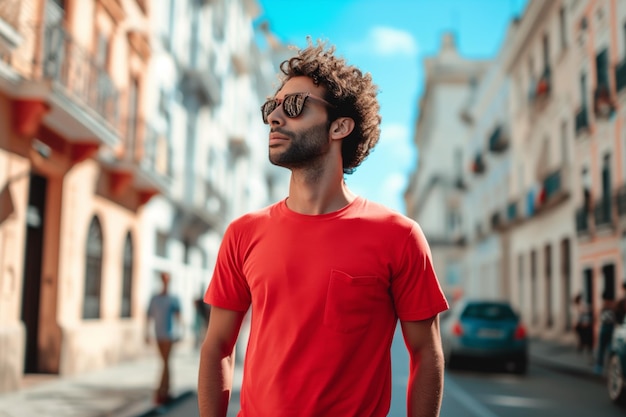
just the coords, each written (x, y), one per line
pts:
(31, 292)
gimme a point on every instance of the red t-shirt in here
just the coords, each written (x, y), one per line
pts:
(326, 292)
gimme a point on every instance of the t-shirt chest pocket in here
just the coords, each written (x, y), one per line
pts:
(352, 302)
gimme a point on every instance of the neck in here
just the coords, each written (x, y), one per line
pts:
(317, 197)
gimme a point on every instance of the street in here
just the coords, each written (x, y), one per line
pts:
(476, 392)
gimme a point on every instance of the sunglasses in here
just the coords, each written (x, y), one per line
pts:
(293, 104)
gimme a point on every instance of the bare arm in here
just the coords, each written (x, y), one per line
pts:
(425, 387)
(217, 361)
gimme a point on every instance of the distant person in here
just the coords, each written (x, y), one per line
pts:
(325, 273)
(607, 324)
(164, 311)
(620, 307)
(584, 325)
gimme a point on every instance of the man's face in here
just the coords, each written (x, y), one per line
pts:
(299, 141)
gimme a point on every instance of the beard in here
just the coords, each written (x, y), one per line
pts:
(304, 148)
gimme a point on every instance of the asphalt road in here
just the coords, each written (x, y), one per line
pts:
(483, 391)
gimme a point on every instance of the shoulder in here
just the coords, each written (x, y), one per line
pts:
(388, 220)
(254, 217)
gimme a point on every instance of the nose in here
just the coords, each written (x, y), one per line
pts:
(276, 117)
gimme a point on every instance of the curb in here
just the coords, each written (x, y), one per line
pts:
(567, 369)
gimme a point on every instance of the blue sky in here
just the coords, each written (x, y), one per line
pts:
(390, 39)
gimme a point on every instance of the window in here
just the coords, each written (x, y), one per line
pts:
(548, 285)
(127, 278)
(602, 69)
(533, 288)
(93, 271)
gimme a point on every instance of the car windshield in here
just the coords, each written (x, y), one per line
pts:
(488, 312)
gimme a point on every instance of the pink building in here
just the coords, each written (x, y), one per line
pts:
(75, 172)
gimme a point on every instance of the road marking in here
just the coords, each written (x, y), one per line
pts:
(510, 401)
(474, 406)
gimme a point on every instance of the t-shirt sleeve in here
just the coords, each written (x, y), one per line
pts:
(228, 288)
(415, 287)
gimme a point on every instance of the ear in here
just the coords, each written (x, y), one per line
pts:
(341, 128)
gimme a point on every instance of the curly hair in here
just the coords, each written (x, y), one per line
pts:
(351, 92)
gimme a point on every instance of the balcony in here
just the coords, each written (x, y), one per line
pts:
(602, 212)
(581, 120)
(603, 104)
(80, 97)
(512, 211)
(582, 220)
(496, 220)
(498, 140)
(542, 88)
(478, 164)
(555, 188)
(144, 164)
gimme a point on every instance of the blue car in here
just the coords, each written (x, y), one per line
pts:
(476, 329)
(616, 371)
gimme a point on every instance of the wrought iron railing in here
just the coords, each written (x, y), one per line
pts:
(620, 200)
(582, 220)
(602, 211)
(553, 184)
(581, 120)
(77, 74)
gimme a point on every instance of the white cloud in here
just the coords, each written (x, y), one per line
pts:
(385, 41)
(395, 143)
(389, 41)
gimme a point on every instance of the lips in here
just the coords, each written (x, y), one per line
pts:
(276, 139)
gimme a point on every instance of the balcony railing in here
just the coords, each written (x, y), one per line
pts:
(498, 141)
(602, 211)
(77, 74)
(582, 120)
(478, 164)
(582, 220)
(603, 104)
(512, 211)
(542, 87)
(620, 200)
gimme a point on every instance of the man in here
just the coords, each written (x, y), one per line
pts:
(326, 273)
(620, 307)
(164, 310)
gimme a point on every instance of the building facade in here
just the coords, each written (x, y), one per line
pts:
(544, 210)
(129, 135)
(433, 196)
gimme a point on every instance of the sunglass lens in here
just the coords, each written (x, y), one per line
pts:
(293, 104)
(267, 108)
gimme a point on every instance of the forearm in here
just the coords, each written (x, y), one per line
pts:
(425, 386)
(215, 381)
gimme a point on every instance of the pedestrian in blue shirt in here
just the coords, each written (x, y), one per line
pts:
(164, 311)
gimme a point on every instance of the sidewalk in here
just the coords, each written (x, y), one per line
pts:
(126, 389)
(563, 358)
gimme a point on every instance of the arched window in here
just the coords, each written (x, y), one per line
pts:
(127, 278)
(93, 271)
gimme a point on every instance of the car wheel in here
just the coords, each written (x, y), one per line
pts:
(615, 380)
